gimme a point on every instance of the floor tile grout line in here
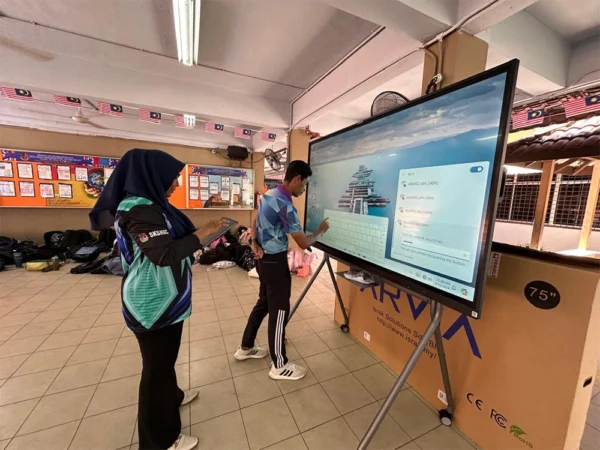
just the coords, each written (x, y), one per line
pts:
(49, 385)
(94, 393)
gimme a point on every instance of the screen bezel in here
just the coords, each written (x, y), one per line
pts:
(472, 308)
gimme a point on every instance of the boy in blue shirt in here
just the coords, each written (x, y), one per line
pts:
(277, 217)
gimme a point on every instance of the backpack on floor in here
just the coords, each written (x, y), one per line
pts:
(52, 239)
(71, 238)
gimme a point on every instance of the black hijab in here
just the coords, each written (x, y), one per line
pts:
(143, 173)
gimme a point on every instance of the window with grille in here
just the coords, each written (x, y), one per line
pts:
(566, 203)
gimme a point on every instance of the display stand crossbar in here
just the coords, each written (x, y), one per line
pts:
(433, 330)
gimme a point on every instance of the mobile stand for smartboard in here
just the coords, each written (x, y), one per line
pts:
(433, 330)
(344, 327)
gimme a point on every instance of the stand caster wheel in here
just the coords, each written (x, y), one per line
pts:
(345, 328)
(445, 417)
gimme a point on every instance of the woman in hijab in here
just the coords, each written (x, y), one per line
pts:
(156, 242)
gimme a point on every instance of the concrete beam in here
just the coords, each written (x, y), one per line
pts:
(584, 66)
(495, 13)
(41, 58)
(444, 11)
(395, 15)
(543, 53)
(377, 62)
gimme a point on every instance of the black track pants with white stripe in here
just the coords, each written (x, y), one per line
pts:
(274, 300)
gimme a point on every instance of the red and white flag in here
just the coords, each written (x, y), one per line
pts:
(528, 118)
(185, 121)
(582, 105)
(16, 94)
(268, 137)
(146, 115)
(242, 133)
(111, 109)
(67, 101)
(215, 128)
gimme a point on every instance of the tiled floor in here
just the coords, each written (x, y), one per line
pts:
(69, 372)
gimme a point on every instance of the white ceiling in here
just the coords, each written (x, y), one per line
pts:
(286, 42)
(267, 63)
(575, 20)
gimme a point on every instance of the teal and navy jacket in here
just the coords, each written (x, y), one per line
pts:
(157, 287)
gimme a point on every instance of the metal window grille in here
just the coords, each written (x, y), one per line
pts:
(566, 204)
(524, 197)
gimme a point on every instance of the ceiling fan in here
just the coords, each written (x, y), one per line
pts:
(79, 117)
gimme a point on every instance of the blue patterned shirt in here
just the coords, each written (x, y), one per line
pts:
(277, 217)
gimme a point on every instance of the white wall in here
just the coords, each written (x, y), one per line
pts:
(553, 239)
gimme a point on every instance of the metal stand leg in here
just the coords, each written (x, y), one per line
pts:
(445, 414)
(307, 287)
(343, 327)
(412, 361)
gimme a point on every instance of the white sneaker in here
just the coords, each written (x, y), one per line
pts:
(184, 442)
(290, 371)
(254, 353)
(189, 396)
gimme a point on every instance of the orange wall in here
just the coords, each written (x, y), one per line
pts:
(31, 223)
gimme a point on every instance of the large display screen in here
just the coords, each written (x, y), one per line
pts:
(411, 195)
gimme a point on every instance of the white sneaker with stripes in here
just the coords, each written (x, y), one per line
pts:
(290, 371)
(254, 353)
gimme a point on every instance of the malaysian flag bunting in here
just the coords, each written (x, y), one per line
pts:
(67, 101)
(146, 115)
(216, 128)
(16, 94)
(268, 137)
(528, 118)
(582, 105)
(242, 133)
(181, 122)
(111, 109)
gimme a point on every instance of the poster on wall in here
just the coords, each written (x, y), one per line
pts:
(26, 189)
(65, 190)
(64, 173)
(194, 194)
(107, 173)
(7, 189)
(50, 181)
(46, 172)
(220, 187)
(46, 190)
(25, 171)
(6, 169)
(81, 174)
(194, 181)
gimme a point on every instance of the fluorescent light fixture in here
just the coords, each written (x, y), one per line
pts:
(187, 30)
(190, 120)
(516, 170)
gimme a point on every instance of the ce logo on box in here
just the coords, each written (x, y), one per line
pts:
(477, 403)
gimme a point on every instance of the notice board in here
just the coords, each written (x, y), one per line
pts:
(38, 179)
(218, 187)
